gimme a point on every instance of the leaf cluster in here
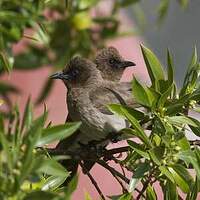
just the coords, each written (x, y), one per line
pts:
(53, 31)
(26, 170)
(164, 153)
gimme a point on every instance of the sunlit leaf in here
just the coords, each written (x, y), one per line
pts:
(153, 65)
(58, 132)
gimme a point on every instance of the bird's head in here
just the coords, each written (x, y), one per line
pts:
(111, 63)
(77, 73)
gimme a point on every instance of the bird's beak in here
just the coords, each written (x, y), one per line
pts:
(59, 75)
(125, 64)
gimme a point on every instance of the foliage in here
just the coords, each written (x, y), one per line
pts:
(53, 31)
(164, 154)
(27, 171)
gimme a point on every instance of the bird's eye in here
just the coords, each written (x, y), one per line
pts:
(112, 61)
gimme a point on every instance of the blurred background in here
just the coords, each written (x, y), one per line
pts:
(39, 37)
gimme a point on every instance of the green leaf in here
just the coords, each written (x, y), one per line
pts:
(139, 149)
(141, 134)
(179, 180)
(184, 174)
(190, 157)
(141, 169)
(53, 182)
(8, 88)
(139, 93)
(36, 195)
(28, 116)
(58, 132)
(195, 130)
(182, 142)
(164, 170)
(162, 100)
(116, 108)
(181, 121)
(153, 65)
(183, 3)
(30, 141)
(156, 154)
(132, 184)
(162, 9)
(170, 191)
(150, 193)
(6, 149)
(6, 62)
(194, 191)
(52, 167)
(170, 68)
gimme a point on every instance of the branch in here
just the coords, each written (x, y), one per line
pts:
(92, 180)
(113, 171)
(195, 142)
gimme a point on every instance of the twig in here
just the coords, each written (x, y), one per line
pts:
(145, 185)
(195, 142)
(93, 181)
(113, 171)
(120, 182)
(117, 150)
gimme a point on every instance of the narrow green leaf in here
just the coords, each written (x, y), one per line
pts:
(44, 195)
(141, 169)
(139, 149)
(135, 124)
(116, 108)
(132, 184)
(190, 157)
(52, 167)
(183, 142)
(170, 68)
(53, 182)
(194, 191)
(6, 62)
(156, 154)
(28, 116)
(162, 9)
(58, 132)
(170, 191)
(179, 180)
(150, 193)
(164, 170)
(184, 174)
(162, 100)
(140, 93)
(181, 120)
(183, 3)
(153, 65)
(6, 149)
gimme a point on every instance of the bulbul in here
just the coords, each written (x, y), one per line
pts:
(86, 99)
(100, 97)
(111, 64)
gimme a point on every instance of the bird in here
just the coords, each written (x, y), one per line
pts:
(84, 88)
(111, 64)
(105, 60)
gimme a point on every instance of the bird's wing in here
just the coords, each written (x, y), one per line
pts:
(101, 97)
(112, 93)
